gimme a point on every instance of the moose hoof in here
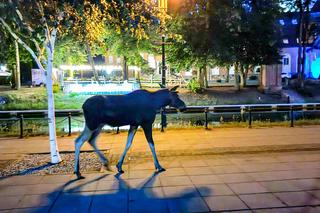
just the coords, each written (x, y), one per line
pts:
(119, 169)
(161, 170)
(79, 176)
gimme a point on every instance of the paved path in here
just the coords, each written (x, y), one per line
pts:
(181, 141)
(196, 182)
(264, 182)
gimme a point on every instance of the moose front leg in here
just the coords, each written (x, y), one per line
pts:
(148, 133)
(131, 133)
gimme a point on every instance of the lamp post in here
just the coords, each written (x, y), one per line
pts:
(163, 5)
(164, 68)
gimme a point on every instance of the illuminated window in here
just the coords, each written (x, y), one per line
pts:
(294, 21)
(285, 41)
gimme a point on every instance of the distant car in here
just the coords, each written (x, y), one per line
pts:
(4, 73)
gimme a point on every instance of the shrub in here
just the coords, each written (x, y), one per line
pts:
(56, 88)
(194, 86)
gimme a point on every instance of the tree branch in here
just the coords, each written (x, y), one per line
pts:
(22, 43)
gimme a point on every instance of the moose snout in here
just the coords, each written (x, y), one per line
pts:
(182, 108)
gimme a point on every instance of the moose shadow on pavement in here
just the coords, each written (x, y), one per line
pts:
(116, 195)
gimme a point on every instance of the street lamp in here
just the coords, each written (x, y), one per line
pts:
(163, 5)
(164, 68)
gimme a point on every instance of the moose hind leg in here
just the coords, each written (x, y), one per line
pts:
(92, 141)
(148, 133)
(131, 133)
(85, 135)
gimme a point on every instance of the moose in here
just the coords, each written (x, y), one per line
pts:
(137, 108)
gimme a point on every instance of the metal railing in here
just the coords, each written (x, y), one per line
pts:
(21, 115)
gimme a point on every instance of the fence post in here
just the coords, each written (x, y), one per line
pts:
(151, 81)
(21, 126)
(163, 119)
(69, 123)
(291, 116)
(206, 117)
(250, 117)
(118, 130)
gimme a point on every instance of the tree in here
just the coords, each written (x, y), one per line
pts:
(89, 25)
(114, 26)
(226, 32)
(12, 59)
(38, 22)
(69, 51)
(189, 35)
(8, 55)
(305, 30)
(253, 35)
(133, 31)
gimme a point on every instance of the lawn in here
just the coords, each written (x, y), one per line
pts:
(35, 98)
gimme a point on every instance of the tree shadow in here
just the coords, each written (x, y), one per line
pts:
(28, 171)
(81, 196)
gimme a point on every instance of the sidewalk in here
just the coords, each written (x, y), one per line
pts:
(180, 142)
(244, 182)
(259, 183)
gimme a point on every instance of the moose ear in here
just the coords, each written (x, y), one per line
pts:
(162, 86)
(173, 89)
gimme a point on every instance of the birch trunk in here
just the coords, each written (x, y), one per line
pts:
(17, 75)
(55, 157)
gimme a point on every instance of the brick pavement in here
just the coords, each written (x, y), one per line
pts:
(180, 141)
(263, 182)
(245, 182)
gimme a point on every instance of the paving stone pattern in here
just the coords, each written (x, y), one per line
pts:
(264, 182)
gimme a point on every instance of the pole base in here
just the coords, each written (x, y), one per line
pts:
(55, 159)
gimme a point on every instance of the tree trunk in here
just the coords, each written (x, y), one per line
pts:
(125, 69)
(200, 77)
(55, 157)
(304, 45)
(205, 75)
(300, 62)
(17, 70)
(236, 76)
(228, 74)
(95, 74)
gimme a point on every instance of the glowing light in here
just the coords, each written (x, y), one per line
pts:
(315, 68)
(95, 88)
(107, 68)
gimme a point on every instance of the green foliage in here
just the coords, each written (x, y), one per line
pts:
(194, 86)
(56, 88)
(69, 51)
(224, 32)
